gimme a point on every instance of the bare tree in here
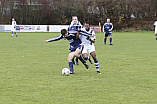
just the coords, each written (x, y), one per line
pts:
(123, 13)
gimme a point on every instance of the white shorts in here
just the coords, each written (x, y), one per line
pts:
(155, 31)
(13, 29)
(88, 49)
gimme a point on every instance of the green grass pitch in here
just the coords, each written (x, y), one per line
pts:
(30, 71)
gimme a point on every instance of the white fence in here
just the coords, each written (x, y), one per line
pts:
(40, 28)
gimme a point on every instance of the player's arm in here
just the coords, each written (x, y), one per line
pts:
(82, 32)
(104, 27)
(15, 23)
(77, 35)
(93, 38)
(79, 30)
(80, 24)
(93, 41)
(111, 27)
(55, 39)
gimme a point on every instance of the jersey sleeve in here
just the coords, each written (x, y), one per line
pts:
(104, 26)
(111, 27)
(93, 36)
(155, 23)
(56, 38)
(80, 24)
(85, 33)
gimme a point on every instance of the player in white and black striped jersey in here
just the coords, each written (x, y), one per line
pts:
(13, 28)
(87, 36)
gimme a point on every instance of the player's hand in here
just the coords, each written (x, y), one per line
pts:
(88, 38)
(79, 29)
(46, 41)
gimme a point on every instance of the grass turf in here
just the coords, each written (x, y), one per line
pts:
(30, 71)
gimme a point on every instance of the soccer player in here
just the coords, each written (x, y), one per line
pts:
(75, 22)
(75, 46)
(88, 37)
(13, 28)
(108, 31)
(155, 26)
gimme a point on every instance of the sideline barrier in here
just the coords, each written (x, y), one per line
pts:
(57, 28)
(1, 28)
(40, 28)
(27, 28)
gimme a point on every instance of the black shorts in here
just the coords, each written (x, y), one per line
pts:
(108, 34)
(79, 47)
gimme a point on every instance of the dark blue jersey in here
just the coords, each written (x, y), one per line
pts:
(72, 32)
(73, 29)
(108, 27)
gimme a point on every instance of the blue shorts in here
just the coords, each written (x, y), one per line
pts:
(108, 34)
(72, 49)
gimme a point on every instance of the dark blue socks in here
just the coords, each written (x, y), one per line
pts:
(81, 59)
(71, 66)
(105, 40)
(110, 40)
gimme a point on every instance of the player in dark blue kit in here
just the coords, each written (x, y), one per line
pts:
(75, 22)
(108, 27)
(75, 45)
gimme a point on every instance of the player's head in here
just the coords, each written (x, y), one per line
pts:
(108, 20)
(64, 32)
(74, 20)
(13, 19)
(87, 26)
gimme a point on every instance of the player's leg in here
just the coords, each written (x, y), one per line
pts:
(90, 59)
(11, 33)
(93, 54)
(110, 38)
(85, 57)
(16, 34)
(77, 63)
(156, 34)
(105, 39)
(78, 55)
(84, 54)
(73, 61)
(12, 30)
(70, 58)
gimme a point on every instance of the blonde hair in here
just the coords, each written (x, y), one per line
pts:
(74, 17)
(108, 20)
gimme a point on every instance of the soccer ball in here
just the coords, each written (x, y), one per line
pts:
(65, 71)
